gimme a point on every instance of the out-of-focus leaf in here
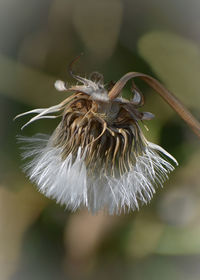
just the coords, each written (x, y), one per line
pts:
(176, 61)
(144, 235)
(177, 241)
(17, 212)
(27, 85)
(98, 24)
(181, 213)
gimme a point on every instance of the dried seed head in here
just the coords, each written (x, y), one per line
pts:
(107, 132)
(98, 156)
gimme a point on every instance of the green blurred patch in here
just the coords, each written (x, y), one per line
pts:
(180, 241)
(176, 60)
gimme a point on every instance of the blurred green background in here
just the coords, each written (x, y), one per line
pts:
(41, 240)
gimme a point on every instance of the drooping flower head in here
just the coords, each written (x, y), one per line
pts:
(98, 156)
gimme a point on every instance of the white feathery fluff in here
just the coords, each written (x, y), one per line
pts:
(68, 182)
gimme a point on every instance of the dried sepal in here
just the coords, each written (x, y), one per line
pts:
(176, 104)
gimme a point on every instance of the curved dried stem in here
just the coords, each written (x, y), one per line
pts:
(173, 101)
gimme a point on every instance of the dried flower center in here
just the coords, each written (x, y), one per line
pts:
(108, 135)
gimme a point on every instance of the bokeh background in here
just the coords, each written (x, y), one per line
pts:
(41, 240)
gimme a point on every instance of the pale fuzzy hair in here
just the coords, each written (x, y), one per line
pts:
(68, 183)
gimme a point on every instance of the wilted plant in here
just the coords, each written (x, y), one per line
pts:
(98, 156)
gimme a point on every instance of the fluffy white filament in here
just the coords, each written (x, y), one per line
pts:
(67, 180)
